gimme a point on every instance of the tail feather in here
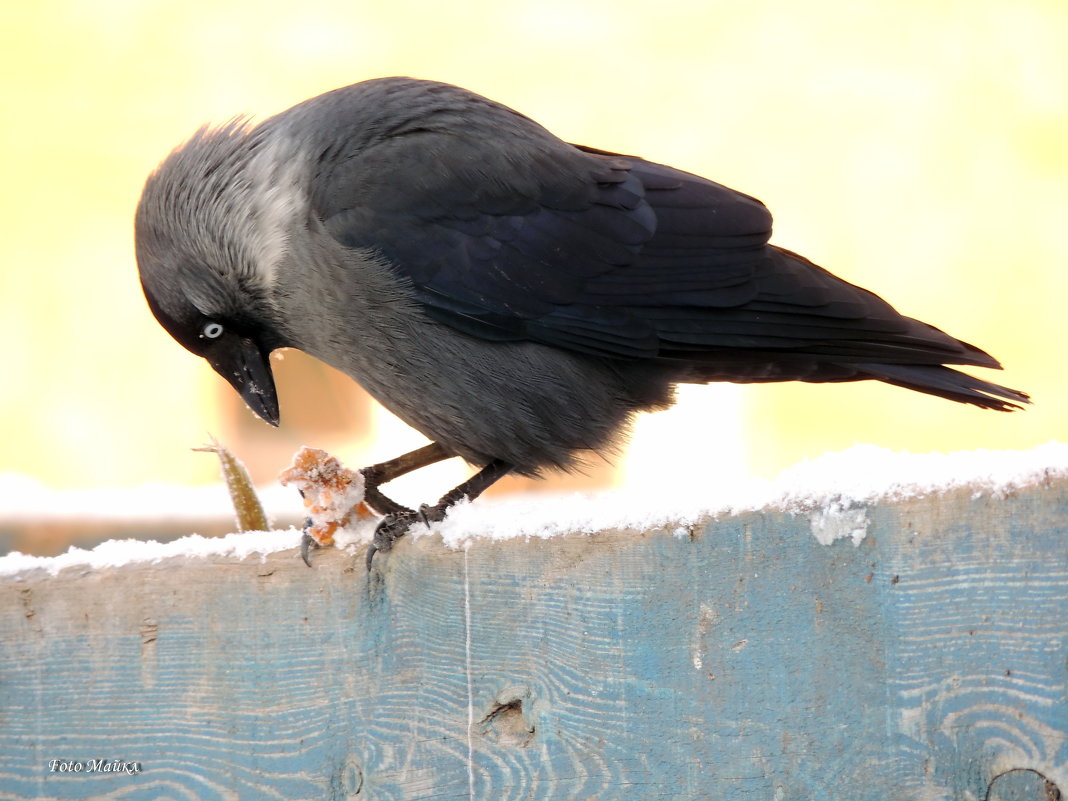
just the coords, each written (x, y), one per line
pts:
(948, 383)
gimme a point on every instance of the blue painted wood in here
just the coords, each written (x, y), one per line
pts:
(746, 661)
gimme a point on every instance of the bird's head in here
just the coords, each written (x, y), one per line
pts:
(210, 232)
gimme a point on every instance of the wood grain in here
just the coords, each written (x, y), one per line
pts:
(745, 662)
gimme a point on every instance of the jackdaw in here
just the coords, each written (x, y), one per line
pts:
(513, 297)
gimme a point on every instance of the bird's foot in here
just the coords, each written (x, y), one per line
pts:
(394, 526)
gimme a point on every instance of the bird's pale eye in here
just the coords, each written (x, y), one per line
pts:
(212, 331)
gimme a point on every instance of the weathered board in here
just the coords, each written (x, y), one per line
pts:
(744, 661)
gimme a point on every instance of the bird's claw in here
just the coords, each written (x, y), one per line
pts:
(429, 514)
(389, 529)
(308, 543)
(394, 526)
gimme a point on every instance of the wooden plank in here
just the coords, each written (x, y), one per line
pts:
(745, 661)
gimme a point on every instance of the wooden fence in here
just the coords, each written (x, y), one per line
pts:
(744, 660)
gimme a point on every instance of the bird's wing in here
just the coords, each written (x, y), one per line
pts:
(515, 235)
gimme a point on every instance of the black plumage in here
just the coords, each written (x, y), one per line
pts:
(524, 238)
(514, 297)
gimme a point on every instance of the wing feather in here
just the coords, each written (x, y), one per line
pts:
(506, 233)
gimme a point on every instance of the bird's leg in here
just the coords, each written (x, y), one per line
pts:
(395, 525)
(384, 472)
(470, 489)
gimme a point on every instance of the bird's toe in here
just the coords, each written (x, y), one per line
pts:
(389, 529)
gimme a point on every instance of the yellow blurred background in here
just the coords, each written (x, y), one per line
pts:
(918, 149)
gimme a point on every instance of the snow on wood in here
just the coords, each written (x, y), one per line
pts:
(831, 490)
(919, 654)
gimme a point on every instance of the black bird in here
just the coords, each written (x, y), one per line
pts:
(513, 297)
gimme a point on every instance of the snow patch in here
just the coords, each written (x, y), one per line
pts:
(834, 491)
(834, 522)
(116, 553)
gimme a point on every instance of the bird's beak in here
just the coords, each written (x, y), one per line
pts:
(241, 362)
